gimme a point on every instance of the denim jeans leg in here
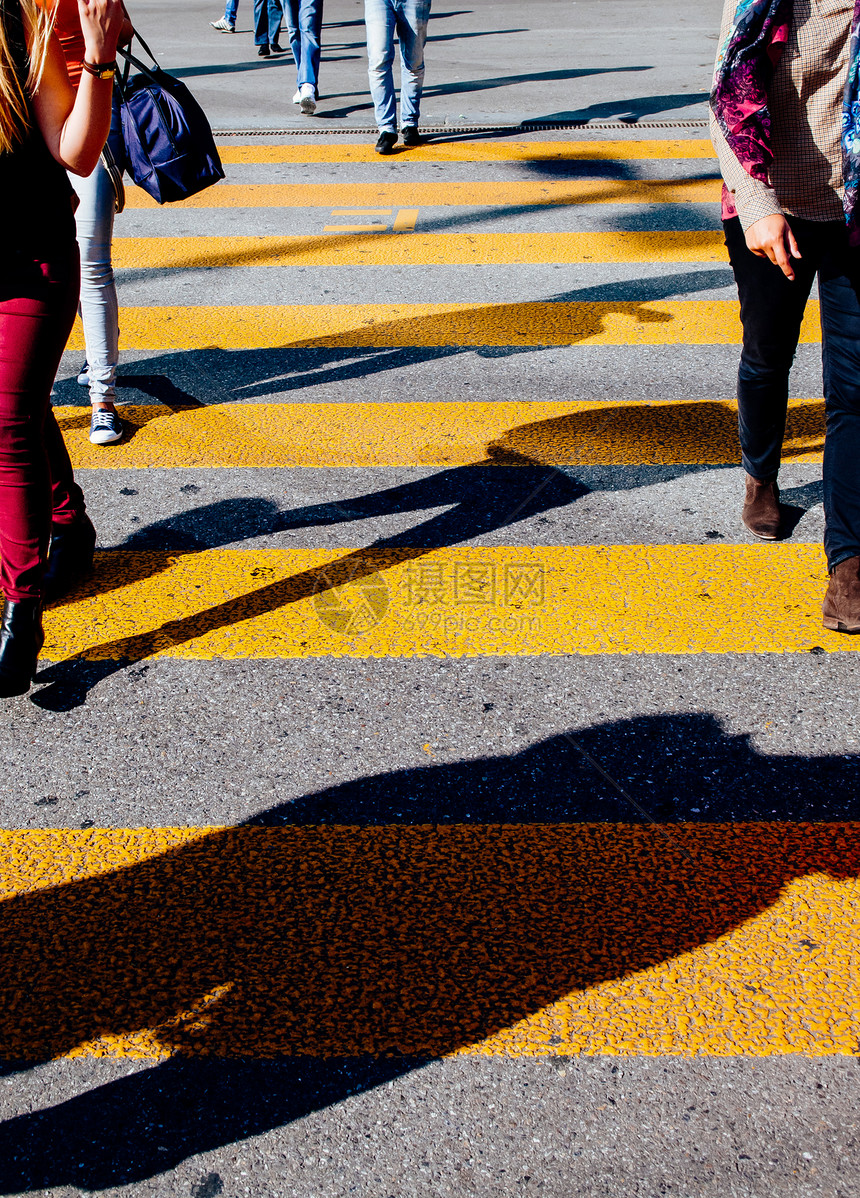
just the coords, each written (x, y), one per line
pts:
(412, 18)
(276, 16)
(267, 21)
(294, 37)
(304, 28)
(379, 22)
(839, 287)
(231, 8)
(310, 17)
(98, 304)
(771, 313)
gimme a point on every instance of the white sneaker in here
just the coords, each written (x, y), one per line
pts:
(223, 26)
(105, 427)
(297, 98)
(84, 375)
(307, 99)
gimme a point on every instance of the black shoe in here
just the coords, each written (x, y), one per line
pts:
(21, 638)
(263, 51)
(70, 557)
(386, 142)
(277, 48)
(410, 136)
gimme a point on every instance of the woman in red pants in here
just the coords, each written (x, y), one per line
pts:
(44, 127)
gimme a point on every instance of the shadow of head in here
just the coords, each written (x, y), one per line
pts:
(703, 431)
(355, 933)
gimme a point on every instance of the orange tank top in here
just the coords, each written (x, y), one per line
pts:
(67, 26)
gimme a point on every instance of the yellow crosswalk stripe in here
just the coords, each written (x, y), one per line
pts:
(433, 434)
(418, 249)
(469, 151)
(444, 194)
(355, 326)
(367, 603)
(535, 940)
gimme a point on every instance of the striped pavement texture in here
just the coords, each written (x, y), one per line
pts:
(426, 940)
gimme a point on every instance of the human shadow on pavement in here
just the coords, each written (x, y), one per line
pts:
(464, 87)
(260, 372)
(289, 967)
(530, 470)
(629, 111)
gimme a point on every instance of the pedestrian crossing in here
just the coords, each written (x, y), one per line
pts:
(420, 249)
(446, 194)
(400, 602)
(305, 942)
(352, 326)
(435, 938)
(467, 433)
(472, 151)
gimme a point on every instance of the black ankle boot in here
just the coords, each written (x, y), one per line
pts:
(70, 557)
(21, 638)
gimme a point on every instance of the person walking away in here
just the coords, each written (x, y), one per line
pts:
(227, 23)
(304, 28)
(98, 307)
(267, 26)
(786, 126)
(44, 128)
(408, 19)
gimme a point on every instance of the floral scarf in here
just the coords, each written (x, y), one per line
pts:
(744, 70)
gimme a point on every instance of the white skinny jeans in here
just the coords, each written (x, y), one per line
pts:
(98, 307)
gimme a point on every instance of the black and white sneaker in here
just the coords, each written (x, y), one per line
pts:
(105, 427)
(84, 375)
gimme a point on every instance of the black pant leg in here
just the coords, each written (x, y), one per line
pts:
(772, 310)
(839, 285)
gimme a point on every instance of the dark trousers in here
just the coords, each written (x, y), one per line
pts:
(38, 300)
(772, 309)
(267, 21)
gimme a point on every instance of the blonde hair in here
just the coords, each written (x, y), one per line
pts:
(14, 104)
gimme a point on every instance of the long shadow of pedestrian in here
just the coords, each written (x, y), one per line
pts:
(629, 111)
(479, 85)
(388, 345)
(519, 480)
(373, 934)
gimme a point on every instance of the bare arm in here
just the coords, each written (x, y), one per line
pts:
(75, 127)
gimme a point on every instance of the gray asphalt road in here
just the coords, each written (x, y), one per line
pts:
(726, 739)
(488, 63)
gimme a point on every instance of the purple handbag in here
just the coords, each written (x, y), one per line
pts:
(168, 143)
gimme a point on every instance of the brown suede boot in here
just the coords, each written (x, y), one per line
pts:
(761, 509)
(841, 606)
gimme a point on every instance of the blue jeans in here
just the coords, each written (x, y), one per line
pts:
(408, 19)
(98, 304)
(267, 21)
(304, 26)
(230, 10)
(771, 312)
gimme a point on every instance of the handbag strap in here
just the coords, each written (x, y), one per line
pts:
(132, 61)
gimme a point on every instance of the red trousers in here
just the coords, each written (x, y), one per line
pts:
(38, 299)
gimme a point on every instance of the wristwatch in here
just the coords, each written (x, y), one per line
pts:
(101, 70)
